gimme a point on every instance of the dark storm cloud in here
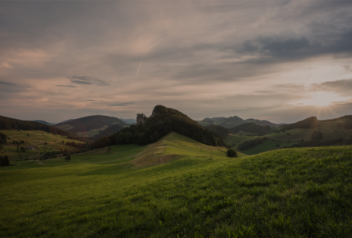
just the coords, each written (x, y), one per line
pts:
(283, 48)
(87, 80)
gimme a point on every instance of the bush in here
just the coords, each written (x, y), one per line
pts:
(4, 161)
(231, 153)
(317, 136)
(68, 158)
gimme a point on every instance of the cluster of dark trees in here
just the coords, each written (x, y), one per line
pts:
(7, 123)
(308, 123)
(49, 155)
(76, 145)
(330, 142)
(251, 128)
(108, 131)
(317, 136)
(251, 143)
(162, 121)
(4, 161)
(17, 142)
(231, 153)
(220, 130)
(3, 138)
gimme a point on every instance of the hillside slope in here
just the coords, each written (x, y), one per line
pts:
(89, 126)
(108, 131)
(7, 123)
(285, 193)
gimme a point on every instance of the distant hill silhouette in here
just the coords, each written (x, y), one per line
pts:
(309, 123)
(44, 122)
(90, 123)
(232, 121)
(251, 128)
(229, 122)
(7, 123)
(162, 121)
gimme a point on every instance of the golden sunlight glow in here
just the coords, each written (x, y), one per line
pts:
(321, 99)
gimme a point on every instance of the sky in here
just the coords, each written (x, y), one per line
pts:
(276, 60)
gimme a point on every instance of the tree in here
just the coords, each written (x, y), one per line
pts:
(231, 153)
(4, 161)
(317, 136)
(1, 146)
(3, 138)
(68, 158)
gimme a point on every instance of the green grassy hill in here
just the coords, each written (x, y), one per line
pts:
(41, 140)
(295, 133)
(193, 192)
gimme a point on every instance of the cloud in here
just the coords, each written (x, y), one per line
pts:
(121, 104)
(342, 86)
(87, 80)
(7, 87)
(7, 83)
(66, 86)
(266, 49)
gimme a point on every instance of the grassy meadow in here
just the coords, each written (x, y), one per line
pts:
(178, 187)
(43, 141)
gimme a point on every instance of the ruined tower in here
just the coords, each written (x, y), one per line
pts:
(141, 118)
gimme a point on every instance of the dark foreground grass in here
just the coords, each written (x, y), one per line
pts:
(304, 192)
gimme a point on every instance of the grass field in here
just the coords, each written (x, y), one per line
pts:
(198, 192)
(36, 139)
(267, 145)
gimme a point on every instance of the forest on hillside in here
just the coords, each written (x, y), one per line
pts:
(162, 122)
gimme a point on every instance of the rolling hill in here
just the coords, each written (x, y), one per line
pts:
(162, 121)
(336, 131)
(178, 187)
(90, 126)
(36, 144)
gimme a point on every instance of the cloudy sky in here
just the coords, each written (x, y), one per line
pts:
(277, 60)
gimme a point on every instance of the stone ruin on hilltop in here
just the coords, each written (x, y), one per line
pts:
(141, 118)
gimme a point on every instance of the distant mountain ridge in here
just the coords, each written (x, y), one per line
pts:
(90, 126)
(229, 122)
(7, 123)
(44, 122)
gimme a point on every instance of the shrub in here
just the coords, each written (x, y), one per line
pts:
(231, 153)
(317, 136)
(4, 161)
(68, 158)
